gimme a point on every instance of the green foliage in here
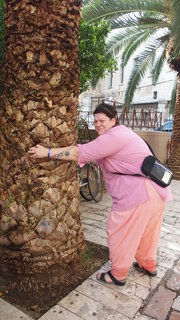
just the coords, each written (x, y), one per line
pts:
(150, 25)
(93, 58)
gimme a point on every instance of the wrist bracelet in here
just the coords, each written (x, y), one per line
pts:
(49, 150)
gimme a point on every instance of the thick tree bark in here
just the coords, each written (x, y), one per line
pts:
(174, 160)
(39, 213)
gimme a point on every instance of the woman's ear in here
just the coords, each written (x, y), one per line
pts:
(113, 121)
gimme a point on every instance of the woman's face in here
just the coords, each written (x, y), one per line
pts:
(102, 123)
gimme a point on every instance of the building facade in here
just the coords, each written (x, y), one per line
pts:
(147, 97)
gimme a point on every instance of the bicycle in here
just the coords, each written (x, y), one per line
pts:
(91, 182)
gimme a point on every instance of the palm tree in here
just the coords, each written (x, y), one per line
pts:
(1, 33)
(39, 200)
(153, 25)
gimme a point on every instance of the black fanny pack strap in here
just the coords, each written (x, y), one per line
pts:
(149, 147)
(129, 174)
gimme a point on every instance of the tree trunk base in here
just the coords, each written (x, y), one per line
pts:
(36, 293)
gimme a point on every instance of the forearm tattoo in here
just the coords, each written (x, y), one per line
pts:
(61, 154)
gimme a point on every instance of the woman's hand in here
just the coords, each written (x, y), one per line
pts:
(38, 151)
(65, 153)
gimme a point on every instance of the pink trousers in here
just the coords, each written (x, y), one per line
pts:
(135, 233)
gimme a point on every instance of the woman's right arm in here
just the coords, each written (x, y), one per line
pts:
(66, 153)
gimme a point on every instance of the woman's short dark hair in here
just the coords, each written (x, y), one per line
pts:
(109, 110)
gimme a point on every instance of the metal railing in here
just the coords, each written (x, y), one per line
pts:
(142, 120)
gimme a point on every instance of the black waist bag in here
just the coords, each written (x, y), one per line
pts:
(157, 171)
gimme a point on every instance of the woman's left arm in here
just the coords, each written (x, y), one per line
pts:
(66, 153)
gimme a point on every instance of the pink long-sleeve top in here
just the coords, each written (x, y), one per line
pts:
(121, 150)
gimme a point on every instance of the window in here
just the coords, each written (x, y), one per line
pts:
(154, 94)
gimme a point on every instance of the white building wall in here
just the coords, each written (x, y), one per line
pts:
(144, 92)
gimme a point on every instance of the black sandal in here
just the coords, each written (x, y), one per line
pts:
(141, 269)
(114, 280)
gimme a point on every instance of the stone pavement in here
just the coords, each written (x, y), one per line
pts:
(142, 298)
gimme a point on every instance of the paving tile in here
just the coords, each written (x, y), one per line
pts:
(98, 209)
(140, 316)
(94, 223)
(165, 252)
(133, 274)
(96, 239)
(87, 308)
(161, 270)
(146, 281)
(174, 315)
(9, 312)
(163, 233)
(177, 267)
(154, 282)
(59, 313)
(172, 237)
(178, 225)
(87, 228)
(91, 216)
(160, 304)
(166, 262)
(170, 219)
(102, 205)
(141, 291)
(169, 244)
(173, 282)
(100, 232)
(176, 304)
(101, 293)
(131, 288)
(93, 231)
(174, 205)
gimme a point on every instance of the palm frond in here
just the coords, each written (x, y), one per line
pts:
(143, 62)
(173, 98)
(136, 19)
(175, 27)
(158, 65)
(99, 9)
(131, 47)
(124, 20)
(84, 2)
(121, 38)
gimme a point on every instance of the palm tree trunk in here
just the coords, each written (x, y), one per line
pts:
(174, 160)
(39, 200)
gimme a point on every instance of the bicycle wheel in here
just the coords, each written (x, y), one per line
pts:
(95, 182)
(84, 185)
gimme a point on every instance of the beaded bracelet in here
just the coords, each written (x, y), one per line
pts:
(49, 150)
